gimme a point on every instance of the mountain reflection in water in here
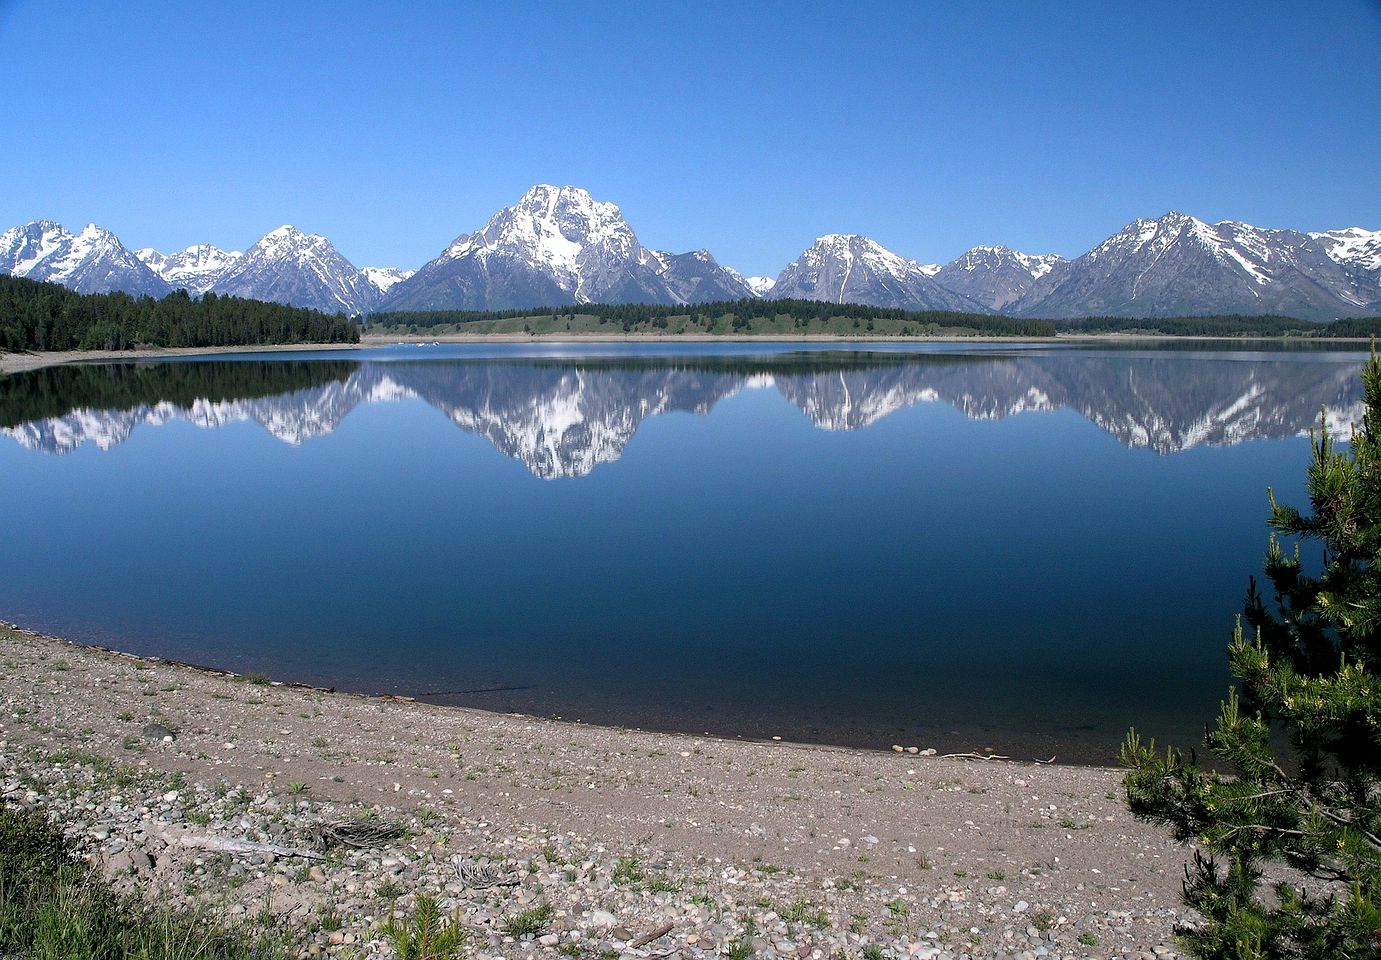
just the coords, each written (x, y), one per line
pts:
(562, 418)
(848, 549)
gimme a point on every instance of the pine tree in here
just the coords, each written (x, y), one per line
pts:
(1307, 664)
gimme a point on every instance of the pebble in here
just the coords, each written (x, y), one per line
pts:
(718, 904)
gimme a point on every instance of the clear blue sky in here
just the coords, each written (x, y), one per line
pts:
(747, 128)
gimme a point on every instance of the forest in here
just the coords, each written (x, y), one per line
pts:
(805, 317)
(48, 316)
(744, 317)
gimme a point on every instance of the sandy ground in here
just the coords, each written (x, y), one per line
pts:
(958, 857)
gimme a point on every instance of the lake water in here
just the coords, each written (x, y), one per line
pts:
(1023, 549)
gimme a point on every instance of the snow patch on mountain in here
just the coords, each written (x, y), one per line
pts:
(290, 266)
(384, 278)
(1352, 246)
(195, 268)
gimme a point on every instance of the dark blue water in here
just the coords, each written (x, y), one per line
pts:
(1018, 549)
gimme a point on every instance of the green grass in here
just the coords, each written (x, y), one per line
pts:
(628, 871)
(802, 910)
(54, 907)
(528, 923)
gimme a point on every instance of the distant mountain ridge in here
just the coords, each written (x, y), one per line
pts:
(92, 261)
(844, 268)
(559, 246)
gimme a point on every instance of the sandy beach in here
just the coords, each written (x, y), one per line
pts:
(789, 849)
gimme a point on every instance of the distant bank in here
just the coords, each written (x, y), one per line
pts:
(11, 363)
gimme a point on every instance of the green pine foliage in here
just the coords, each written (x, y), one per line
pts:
(1301, 735)
(48, 316)
(54, 906)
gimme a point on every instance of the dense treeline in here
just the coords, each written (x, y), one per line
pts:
(1235, 325)
(819, 317)
(54, 391)
(730, 316)
(48, 316)
(1354, 327)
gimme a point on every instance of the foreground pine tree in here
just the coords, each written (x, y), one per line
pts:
(1301, 734)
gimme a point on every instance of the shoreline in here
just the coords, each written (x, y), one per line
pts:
(11, 363)
(971, 858)
(612, 726)
(24, 362)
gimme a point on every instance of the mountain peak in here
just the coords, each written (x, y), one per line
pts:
(849, 268)
(287, 265)
(92, 261)
(195, 268)
(542, 193)
(556, 246)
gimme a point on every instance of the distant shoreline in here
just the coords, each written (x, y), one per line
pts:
(22, 362)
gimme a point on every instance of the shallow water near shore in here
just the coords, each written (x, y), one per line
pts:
(996, 547)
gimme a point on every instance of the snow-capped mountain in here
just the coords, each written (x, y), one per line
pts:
(559, 246)
(1179, 265)
(194, 269)
(555, 246)
(93, 261)
(302, 269)
(1353, 247)
(385, 278)
(1358, 252)
(761, 286)
(999, 276)
(844, 268)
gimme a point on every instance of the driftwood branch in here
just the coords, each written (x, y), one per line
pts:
(997, 757)
(651, 935)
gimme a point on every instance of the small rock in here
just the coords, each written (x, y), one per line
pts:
(156, 731)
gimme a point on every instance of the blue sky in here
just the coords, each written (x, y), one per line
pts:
(747, 128)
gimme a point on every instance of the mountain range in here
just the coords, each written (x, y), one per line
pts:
(558, 246)
(564, 419)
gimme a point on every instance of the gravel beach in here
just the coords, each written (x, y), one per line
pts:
(547, 838)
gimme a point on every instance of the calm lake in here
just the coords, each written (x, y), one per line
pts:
(1020, 549)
